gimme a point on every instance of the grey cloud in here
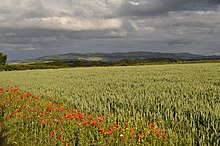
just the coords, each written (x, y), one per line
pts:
(16, 35)
(34, 28)
(157, 7)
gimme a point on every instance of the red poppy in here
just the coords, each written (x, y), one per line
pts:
(86, 123)
(32, 109)
(51, 98)
(101, 118)
(77, 116)
(48, 107)
(17, 93)
(59, 136)
(158, 132)
(131, 130)
(71, 116)
(91, 118)
(22, 97)
(1, 89)
(16, 88)
(9, 115)
(95, 123)
(28, 94)
(17, 110)
(110, 131)
(140, 135)
(81, 116)
(43, 122)
(115, 125)
(151, 125)
(51, 135)
(89, 113)
(103, 131)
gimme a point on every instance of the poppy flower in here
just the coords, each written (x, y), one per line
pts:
(103, 131)
(51, 135)
(48, 107)
(95, 123)
(28, 94)
(17, 110)
(86, 123)
(71, 116)
(115, 125)
(43, 122)
(16, 88)
(59, 136)
(77, 116)
(140, 135)
(158, 132)
(110, 131)
(101, 118)
(9, 115)
(131, 130)
(91, 118)
(1, 89)
(151, 125)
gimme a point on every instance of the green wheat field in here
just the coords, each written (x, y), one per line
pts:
(139, 105)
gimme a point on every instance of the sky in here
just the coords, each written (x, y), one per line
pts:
(34, 28)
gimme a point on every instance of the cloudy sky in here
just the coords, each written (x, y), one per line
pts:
(33, 28)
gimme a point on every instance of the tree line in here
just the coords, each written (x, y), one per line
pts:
(3, 59)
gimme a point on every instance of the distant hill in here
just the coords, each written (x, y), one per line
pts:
(120, 56)
(108, 59)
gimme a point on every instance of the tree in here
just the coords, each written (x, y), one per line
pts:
(3, 59)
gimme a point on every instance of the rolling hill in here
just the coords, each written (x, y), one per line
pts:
(120, 56)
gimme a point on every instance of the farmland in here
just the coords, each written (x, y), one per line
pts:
(182, 100)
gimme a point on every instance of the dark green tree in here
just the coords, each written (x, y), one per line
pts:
(3, 59)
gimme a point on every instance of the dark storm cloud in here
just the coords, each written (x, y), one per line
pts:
(33, 28)
(158, 7)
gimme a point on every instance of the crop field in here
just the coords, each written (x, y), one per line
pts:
(135, 105)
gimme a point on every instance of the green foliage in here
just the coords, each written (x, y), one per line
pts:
(13, 67)
(3, 59)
